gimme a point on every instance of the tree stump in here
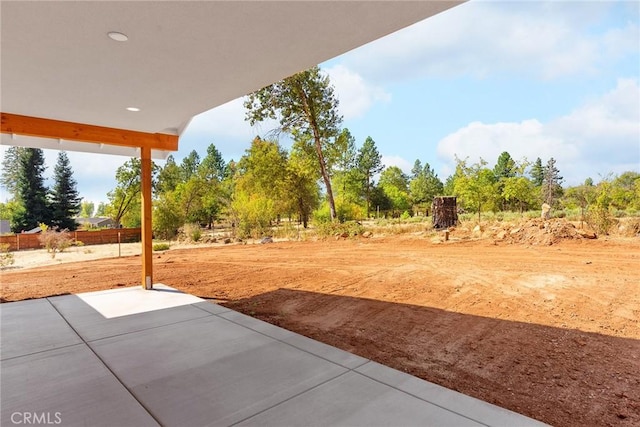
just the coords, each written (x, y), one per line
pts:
(445, 212)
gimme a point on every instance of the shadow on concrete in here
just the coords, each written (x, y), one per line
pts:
(559, 376)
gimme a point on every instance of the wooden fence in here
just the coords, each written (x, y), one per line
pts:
(22, 241)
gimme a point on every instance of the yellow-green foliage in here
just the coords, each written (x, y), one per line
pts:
(254, 214)
(351, 228)
(158, 247)
(6, 257)
(193, 232)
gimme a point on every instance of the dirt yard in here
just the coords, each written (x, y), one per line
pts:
(549, 331)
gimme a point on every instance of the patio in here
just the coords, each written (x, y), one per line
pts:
(136, 357)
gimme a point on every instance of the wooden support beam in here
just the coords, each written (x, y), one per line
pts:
(146, 232)
(47, 128)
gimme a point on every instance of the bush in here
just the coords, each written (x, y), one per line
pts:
(54, 240)
(253, 215)
(158, 247)
(193, 232)
(6, 257)
(351, 228)
(287, 230)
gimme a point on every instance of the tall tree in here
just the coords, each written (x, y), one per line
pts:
(65, 200)
(189, 165)
(504, 169)
(11, 170)
(87, 209)
(304, 102)
(551, 183)
(212, 172)
(505, 166)
(125, 198)
(212, 167)
(31, 191)
(537, 173)
(301, 182)
(416, 170)
(369, 163)
(475, 185)
(170, 176)
(395, 185)
(260, 195)
(101, 210)
(425, 184)
(519, 190)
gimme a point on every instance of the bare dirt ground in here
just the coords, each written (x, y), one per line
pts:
(549, 331)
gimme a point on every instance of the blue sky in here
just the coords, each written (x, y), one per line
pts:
(536, 79)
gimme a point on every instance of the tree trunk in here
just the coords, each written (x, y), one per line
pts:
(368, 195)
(444, 212)
(325, 178)
(318, 143)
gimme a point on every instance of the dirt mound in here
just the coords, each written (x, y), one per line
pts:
(539, 231)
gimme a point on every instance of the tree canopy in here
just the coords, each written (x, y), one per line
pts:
(305, 104)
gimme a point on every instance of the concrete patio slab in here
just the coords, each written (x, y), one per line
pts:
(91, 325)
(110, 303)
(32, 326)
(445, 398)
(225, 372)
(67, 386)
(355, 400)
(188, 362)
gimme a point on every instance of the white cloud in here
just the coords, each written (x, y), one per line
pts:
(536, 39)
(600, 137)
(398, 161)
(356, 95)
(226, 120)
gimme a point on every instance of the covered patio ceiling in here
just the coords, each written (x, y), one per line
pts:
(181, 57)
(126, 77)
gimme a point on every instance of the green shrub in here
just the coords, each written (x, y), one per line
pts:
(193, 232)
(158, 247)
(351, 228)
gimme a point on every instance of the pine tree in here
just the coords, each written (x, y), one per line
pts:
(505, 167)
(31, 192)
(537, 173)
(11, 170)
(189, 165)
(551, 188)
(65, 202)
(212, 166)
(369, 163)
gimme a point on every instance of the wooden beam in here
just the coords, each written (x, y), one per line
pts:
(146, 232)
(47, 128)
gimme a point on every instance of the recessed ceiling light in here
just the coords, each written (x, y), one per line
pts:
(133, 109)
(119, 37)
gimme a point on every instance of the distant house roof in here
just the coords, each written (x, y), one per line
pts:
(34, 230)
(5, 226)
(96, 221)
